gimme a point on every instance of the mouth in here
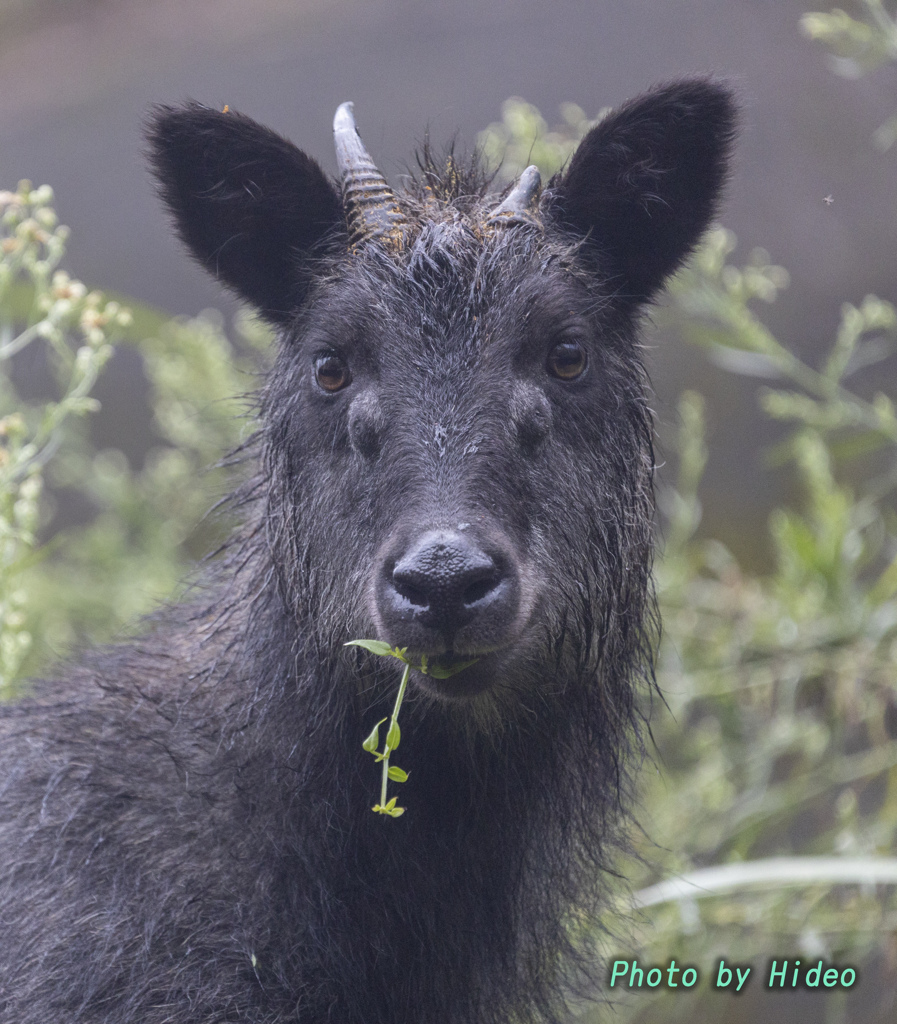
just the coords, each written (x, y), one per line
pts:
(453, 676)
(448, 663)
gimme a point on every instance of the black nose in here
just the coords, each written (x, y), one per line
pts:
(444, 581)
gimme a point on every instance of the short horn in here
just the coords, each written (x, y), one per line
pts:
(372, 209)
(521, 206)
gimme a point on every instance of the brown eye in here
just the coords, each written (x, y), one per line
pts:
(567, 360)
(332, 372)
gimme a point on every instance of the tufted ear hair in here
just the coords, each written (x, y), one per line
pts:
(645, 182)
(247, 203)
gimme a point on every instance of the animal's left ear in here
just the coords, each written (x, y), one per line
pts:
(645, 182)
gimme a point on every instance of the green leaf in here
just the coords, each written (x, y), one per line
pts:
(392, 810)
(396, 774)
(374, 646)
(394, 736)
(373, 741)
(444, 671)
(389, 808)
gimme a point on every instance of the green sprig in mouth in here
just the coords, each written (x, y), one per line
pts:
(441, 668)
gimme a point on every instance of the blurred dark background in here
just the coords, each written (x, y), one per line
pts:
(77, 78)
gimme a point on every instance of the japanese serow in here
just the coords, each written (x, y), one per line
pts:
(454, 457)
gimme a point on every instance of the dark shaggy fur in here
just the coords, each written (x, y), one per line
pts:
(186, 832)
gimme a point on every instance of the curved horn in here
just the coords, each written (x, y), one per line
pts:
(372, 209)
(521, 206)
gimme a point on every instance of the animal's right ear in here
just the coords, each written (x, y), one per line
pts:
(247, 203)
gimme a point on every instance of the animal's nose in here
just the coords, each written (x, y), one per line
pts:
(444, 581)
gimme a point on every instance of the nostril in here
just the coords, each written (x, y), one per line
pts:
(410, 592)
(481, 588)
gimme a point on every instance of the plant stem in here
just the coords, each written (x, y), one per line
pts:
(395, 714)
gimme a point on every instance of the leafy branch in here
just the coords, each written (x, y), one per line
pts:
(393, 732)
(858, 46)
(39, 303)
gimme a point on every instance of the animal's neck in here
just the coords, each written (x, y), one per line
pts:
(467, 890)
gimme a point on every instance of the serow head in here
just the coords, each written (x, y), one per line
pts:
(456, 438)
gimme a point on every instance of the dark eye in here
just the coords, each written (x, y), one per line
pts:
(332, 372)
(567, 360)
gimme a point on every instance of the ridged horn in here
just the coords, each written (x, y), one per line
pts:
(521, 205)
(372, 209)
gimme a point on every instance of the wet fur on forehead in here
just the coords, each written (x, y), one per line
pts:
(449, 200)
(452, 262)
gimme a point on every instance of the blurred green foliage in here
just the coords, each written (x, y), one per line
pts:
(523, 137)
(778, 750)
(858, 45)
(75, 328)
(147, 525)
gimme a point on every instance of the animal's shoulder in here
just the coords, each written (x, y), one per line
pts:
(119, 739)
